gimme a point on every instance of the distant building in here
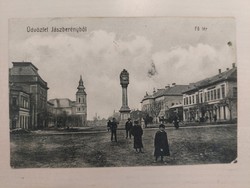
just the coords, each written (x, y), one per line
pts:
(159, 103)
(212, 99)
(28, 97)
(74, 112)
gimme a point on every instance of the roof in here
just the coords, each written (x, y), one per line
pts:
(228, 75)
(61, 103)
(25, 72)
(24, 64)
(175, 90)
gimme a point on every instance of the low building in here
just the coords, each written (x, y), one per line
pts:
(159, 103)
(212, 99)
(71, 113)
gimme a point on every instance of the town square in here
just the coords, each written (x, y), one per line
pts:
(117, 97)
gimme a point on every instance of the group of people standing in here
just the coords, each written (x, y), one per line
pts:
(160, 141)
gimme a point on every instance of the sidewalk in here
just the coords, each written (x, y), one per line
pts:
(190, 125)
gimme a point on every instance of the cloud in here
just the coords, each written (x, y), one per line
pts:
(191, 63)
(100, 56)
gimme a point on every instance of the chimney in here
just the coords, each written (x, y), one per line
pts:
(173, 84)
(233, 65)
(167, 86)
(219, 71)
(227, 69)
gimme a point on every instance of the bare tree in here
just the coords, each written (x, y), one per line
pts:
(154, 109)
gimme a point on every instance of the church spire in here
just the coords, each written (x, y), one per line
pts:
(81, 86)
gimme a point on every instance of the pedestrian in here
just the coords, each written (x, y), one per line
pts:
(108, 125)
(128, 128)
(137, 132)
(176, 121)
(113, 129)
(161, 143)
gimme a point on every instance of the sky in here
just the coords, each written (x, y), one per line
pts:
(155, 51)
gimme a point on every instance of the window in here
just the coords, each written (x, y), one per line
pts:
(234, 91)
(79, 99)
(223, 91)
(193, 99)
(33, 89)
(79, 109)
(205, 96)
(208, 96)
(14, 102)
(215, 94)
(201, 98)
(218, 93)
(189, 99)
(197, 98)
(212, 95)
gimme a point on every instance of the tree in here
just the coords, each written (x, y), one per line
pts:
(154, 109)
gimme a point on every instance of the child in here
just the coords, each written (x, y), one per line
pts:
(161, 143)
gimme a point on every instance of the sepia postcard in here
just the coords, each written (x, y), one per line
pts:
(120, 100)
(120, 92)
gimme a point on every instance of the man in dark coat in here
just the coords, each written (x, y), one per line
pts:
(161, 143)
(128, 127)
(176, 121)
(137, 132)
(108, 125)
(113, 129)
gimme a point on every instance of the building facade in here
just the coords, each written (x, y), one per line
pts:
(28, 93)
(71, 113)
(19, 108)
(212, 99)
(158, 104)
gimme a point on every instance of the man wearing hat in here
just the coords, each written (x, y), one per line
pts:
(137, 132)
(113, 129)
(161, 143)
(128, 127)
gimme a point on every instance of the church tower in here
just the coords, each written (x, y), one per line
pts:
(81, 103)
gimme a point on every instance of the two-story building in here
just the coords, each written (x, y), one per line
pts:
(33, 96)
(160, 102)
(212, 99)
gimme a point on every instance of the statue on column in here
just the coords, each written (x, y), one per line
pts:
(124, 81)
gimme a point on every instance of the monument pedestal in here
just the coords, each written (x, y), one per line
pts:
(124, 115)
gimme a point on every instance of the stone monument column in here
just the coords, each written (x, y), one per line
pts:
(124, 111)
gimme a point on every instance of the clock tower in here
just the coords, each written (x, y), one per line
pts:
(124, 81)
